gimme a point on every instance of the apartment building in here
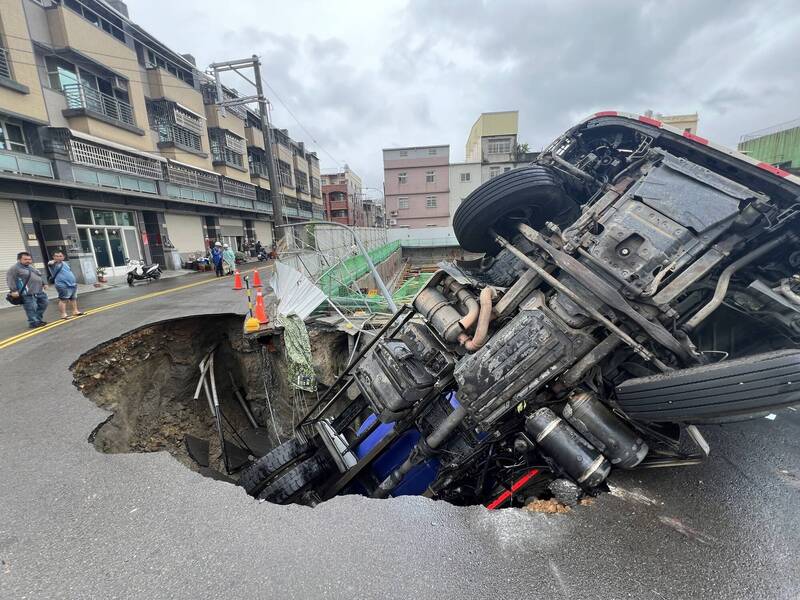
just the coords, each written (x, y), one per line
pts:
(417, 186)
(374, 214)
(343, 198)
(492, 148)
(113, 146)
(686, 123)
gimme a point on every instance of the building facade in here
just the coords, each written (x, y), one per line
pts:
(417, 186)
(113, 146)
(686, 123)
(778, 146)
(374, 215)
(343, 198)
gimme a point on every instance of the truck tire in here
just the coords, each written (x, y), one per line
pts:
(532, 195)
(256, 476)
(726, 389)
(296, 479)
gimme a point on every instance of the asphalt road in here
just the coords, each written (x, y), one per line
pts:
(75, 523)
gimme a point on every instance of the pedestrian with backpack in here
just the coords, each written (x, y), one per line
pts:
(67, 286)
(27, 287)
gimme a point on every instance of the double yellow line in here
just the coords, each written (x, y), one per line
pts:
(14, 339)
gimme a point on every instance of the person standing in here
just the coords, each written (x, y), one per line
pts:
(216, 258)
(25, 282)
(229, 258)
(67, 286)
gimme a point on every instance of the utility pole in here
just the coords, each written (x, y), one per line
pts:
(254, 63)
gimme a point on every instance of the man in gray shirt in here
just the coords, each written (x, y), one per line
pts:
(25, 281)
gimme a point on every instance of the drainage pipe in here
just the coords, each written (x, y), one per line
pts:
(725, 280)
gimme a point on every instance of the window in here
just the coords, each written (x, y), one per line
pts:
(430, 177)
(226, 147)
(499, 146)
(403, 152)
(506, 169)
(494, 172)
(430, 202)
(12, 138)
(432, 151)
(60, 72)
(402, 177)
(402, 203)
(83, 216)
(285, 173)
(465, 177)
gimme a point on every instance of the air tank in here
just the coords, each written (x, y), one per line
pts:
(606, 431)
(556, 439)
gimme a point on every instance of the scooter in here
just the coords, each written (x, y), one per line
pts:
(138, 271)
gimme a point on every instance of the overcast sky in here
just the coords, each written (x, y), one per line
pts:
(365, 75)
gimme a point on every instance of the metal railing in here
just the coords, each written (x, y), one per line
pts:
(81, 96)
(5, 68)
(770, 130)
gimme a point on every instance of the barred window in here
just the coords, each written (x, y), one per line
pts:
(226, 147)
(285, 173)
(175, 124)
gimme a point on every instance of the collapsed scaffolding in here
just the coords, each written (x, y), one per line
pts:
(338, 269)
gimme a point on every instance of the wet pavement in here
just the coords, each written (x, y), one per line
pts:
(75, 523)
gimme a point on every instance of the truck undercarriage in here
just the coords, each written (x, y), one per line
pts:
(636, 283)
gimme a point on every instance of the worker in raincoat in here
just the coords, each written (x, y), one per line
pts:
(229, 258)
(216, 258)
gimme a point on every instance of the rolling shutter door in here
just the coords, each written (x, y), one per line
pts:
(263, 232)
(231, 227)
(185, 232)
(11, 241)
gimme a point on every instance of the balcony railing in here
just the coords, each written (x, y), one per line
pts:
(5, 68)
(259, 170)
(81, 96)
(25, 164)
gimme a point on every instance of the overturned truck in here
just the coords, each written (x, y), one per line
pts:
(637, 281)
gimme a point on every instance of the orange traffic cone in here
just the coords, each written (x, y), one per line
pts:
(256, 279)
(260, 313)
(237, 281)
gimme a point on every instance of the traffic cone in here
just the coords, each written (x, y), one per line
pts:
(237, 281)
(256, 279)
(260, 313)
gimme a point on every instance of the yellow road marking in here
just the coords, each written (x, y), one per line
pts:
(10, 341)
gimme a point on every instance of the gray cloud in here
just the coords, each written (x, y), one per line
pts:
(362, 77)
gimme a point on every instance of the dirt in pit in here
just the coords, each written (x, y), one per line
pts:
(147, 379)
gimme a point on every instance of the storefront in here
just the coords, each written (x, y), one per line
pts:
(232, 232)
(111, 236)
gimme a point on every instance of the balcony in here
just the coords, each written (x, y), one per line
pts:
(25, 164)
(114, 110)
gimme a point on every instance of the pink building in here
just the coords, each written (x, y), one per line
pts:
(417, 186)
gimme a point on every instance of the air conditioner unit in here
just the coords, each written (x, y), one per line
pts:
(120, 83)
(392, 221)
(393, 213)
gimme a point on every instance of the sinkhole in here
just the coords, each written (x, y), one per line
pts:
(149, 380)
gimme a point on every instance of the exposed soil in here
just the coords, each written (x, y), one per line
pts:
(147, 379)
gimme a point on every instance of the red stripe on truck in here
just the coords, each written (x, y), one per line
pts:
(649, 121)
(695, 138)
(606, 113)
(773, 170)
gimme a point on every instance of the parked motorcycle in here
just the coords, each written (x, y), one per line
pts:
(139, 271)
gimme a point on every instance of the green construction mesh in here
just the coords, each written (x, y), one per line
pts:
(337, 283)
